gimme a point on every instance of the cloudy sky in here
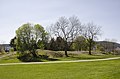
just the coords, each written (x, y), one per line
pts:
(14, 13)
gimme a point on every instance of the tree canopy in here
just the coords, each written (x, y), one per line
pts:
(27, 37)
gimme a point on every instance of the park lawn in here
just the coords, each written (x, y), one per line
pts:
(13, 58)
(81, 70)
(87, 57)
(10, 59)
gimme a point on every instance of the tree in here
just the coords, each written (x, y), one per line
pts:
(68, 29)
(41, 36)
(59, 44)
(27, 37)
(13, 43)
(52, 44)
(91, 32)
(109, 45)
(80, 43)
(113, 45)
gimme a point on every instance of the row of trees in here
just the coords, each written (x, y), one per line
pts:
(66, 31)
(71, 28)
(79, 44)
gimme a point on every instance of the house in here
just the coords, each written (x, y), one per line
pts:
(6, 47)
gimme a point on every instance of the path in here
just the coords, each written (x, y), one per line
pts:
(61, 61)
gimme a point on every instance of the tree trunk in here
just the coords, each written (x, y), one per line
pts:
(66, 48)
(90, 47)
(66, 53)
(34, 54)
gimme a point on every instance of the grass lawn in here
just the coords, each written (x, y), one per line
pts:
(13, 58)
(86, 56)
(82, 70)
(10, 59)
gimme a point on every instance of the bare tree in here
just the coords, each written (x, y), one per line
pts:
(110, 45)
(68, 29)
(91, 31)
(113, 45)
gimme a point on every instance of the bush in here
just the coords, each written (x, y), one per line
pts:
(11, 49)
(117, 52)
(2, 51)
(27, 57)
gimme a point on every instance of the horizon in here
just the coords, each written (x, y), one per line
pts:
(44, 12)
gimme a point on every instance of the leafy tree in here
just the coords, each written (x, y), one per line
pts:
(52, 44)
(99, 47)
(68, 29)
(91, 31)
(56, 44)
(27, 37)
(59, 44)
(41, 36)
(80, 43)
(13, 43)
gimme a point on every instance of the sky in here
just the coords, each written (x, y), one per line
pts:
(15, 13)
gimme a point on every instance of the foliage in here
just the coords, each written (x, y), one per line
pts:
(2, 51)
(117, 51)
(56, 44)
(28, 58)
(40, 44)
(28, 37)
(52, 44)
(11, 49)
(13, 43)
(80, 43)
(59, 44)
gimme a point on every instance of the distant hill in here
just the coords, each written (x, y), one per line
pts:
(108, 44)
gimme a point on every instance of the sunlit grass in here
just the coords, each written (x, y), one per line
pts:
(72, 56)
(82, 70)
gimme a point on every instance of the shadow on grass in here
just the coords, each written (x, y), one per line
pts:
(40, 58)
(52, 59)
(85, 56)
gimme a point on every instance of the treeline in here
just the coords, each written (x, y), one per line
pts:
(57, 44)
(66, 34)
(79, 44)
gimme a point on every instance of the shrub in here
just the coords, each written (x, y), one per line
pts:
(117, 52)
(27, 57)
(2, 51)
(11, 49)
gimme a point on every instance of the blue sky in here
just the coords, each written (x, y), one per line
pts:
(14, 13)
